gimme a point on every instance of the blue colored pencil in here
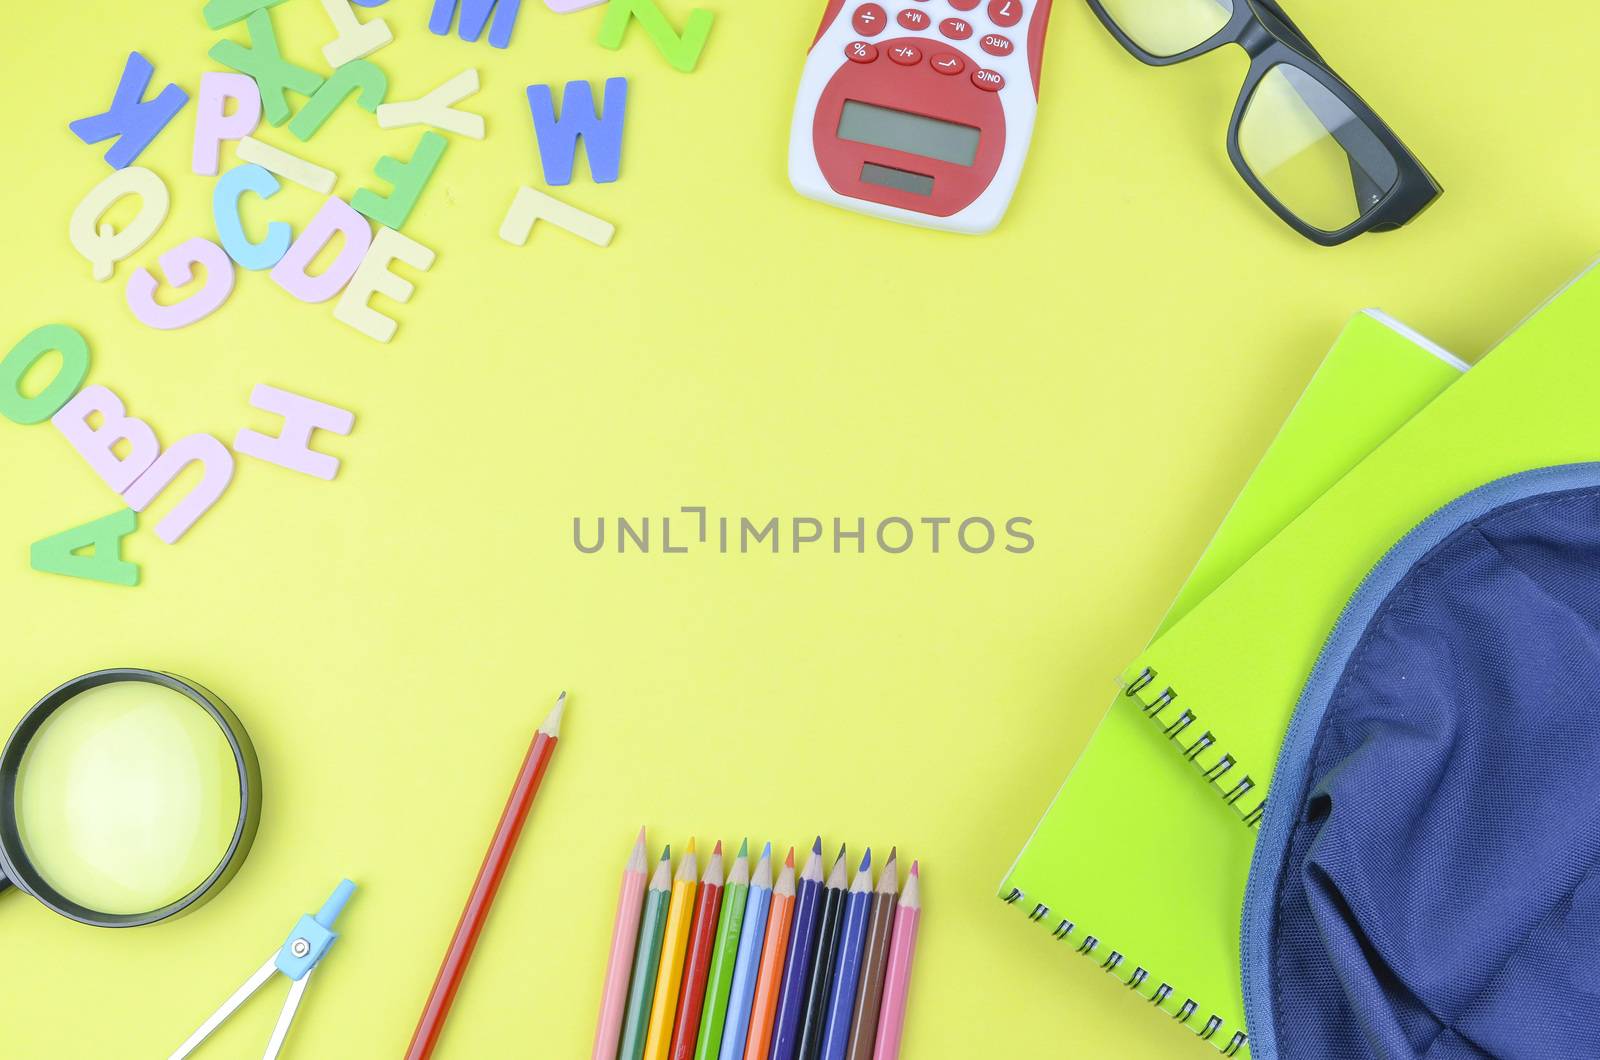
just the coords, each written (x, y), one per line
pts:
(743, 993)
(815, 1014)
(847, 965)
(797, 962)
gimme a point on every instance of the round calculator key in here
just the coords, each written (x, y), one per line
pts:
(905, 54)
(995, 44)
(988, 80)
(860, 51)
(912, 18)
(869, 20)
(1005, 12)
(956, 28)
(964, 5)
(948, 63)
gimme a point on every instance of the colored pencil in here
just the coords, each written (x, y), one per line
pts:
(769, 977)
(680, 910)
(702, 937)
(820, 982)
(797, 964)
(724, 953)
(729, 1045)
(647, 960)
(481, 898)
(897, 978)
(874, 961)
(624, 935)
(847, 963)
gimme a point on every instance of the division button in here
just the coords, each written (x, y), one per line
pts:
(870, 19)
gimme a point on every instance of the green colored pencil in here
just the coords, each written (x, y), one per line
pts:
(724, 954)
(642, 986)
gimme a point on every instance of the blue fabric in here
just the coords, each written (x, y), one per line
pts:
(1427, 883)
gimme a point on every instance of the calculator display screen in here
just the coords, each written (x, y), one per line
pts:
(913, 133)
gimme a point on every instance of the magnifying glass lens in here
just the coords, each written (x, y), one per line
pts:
(127, 797)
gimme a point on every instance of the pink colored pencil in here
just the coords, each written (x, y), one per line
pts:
(624, 935)
(897, 980)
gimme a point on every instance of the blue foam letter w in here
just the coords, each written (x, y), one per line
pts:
(131, 118)
(474, 16)
(558, 137)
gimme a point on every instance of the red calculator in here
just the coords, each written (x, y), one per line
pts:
(919, 110)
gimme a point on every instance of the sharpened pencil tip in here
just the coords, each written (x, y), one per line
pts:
(816, 847)
(744, 848)
(866, 862)
(789, 861)
(666, 852)
(716, 851)
(914, 869)
(641, 834)
(841, 853)
(690, 848)
(766, 851)
(893, 852)
(552, 723)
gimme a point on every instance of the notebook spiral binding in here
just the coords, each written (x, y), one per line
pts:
(1248, 799)
(1139, 979)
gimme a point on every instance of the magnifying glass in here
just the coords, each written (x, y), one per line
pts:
(126, 797)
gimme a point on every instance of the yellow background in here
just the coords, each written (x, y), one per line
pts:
(1109, 363)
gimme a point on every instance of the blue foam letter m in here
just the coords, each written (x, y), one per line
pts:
(474, 16)
(601, 133)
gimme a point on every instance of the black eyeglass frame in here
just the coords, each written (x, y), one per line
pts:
(1266, 34)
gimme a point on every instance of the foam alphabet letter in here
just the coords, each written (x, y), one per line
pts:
(131, 118)
(287, 166)
(95, 444)
(177, 265)
(558, 137)
(374, 277)
(566, 7)
(681, 51)
(200, 449)
(408, 179)
(103, 245)
(230, 232)
(437, 108)
(219, 13)
(24, 355)
(356, 76)
(531, 205)
(63, 553)
(301, 415)
(356, 39)
(291, 271)
(474, 16)
(274, 75)
(212, 123)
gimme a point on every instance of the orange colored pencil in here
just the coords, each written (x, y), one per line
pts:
(702, 936)
(769, 980)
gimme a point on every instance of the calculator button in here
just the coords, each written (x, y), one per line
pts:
(1005, 12)
(964, 5)
(988, 80)
(912, 18)
(956, 28)
(860, 51)
(906, 54)
(870, 19)
(995, 44)
(948, 63)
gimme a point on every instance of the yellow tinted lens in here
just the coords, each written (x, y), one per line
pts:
(1312, 153)
(127, 797)
(1167, 27)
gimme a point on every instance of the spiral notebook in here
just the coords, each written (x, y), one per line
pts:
(1098, 871)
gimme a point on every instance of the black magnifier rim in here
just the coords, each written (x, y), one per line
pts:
(13, 857)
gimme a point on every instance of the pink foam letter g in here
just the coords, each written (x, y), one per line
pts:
(196, 448)
(212, 125)
(178, 265)
(292, 447)
(95, 444)
(335, 216)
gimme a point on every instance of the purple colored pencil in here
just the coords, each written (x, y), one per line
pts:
(797, 962)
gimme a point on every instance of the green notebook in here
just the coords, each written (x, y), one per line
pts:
(1131, 796)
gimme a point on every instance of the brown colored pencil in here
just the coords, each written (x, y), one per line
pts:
(874, 962)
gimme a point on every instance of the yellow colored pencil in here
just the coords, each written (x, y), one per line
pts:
(674, 951)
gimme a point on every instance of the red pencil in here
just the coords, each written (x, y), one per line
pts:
(483, 889)
(702, 935)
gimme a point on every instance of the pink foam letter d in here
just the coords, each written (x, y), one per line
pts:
(335, 216)
(196, 448)
(212, 125)
(178, 265)
(292, 447)
(95, 444)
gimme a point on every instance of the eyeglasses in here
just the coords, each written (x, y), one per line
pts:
(1301, 138)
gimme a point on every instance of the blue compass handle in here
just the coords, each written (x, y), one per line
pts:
(312, 935)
